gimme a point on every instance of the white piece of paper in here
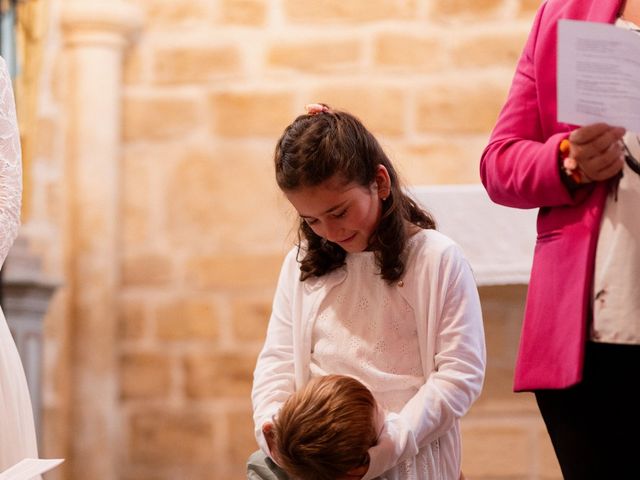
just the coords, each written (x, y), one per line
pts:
(28, 468)
(598, 74)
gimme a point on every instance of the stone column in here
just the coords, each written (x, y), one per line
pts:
(95, 34)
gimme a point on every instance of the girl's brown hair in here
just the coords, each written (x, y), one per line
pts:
(317, 147)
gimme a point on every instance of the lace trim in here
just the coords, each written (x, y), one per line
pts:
(10, 165)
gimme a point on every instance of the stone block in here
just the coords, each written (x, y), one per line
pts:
(146, 269)
(438, 161)
(250, 318)
(380, 108)
(191, 471)
(131, 319)
(161, 14)
(242, 442)
(487, 49)
(233, 271)
(136, 204)
(55, 440)
(466, 10)
(48, 132)
(132, 473)
(133, 68)
(159, 117)
(528, 8)
(214, 193)
(252, 114)
(319, 55)
(409, 51)
(144, 375)
(186, 319)
(186, 64)
(498, 397)
(503, 310)
(353, 11)
(165, 437)
(484, 450)
(54, 201)
(461, 106)
(219, 375)
(251, 13)
(59, 82)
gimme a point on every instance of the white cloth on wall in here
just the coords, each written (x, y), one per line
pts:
(17, 431)
(498, 241)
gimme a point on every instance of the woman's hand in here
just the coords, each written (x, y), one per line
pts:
(598, 150)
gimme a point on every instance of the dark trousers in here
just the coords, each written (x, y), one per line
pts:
(595, 426)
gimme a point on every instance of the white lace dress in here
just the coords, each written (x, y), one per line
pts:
(17, 432)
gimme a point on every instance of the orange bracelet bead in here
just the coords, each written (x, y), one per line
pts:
(569, 164)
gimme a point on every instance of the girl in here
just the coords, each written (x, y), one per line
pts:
(374, 292)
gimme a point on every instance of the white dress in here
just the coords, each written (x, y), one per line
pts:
(17, 432)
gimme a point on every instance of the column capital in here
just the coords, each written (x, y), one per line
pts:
(99, 22)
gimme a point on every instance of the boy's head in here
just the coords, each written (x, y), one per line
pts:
(325, 429)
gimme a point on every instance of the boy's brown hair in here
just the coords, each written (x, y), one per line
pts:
(325, 429)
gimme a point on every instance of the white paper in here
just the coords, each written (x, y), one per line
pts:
(28, 468)
(598, 74)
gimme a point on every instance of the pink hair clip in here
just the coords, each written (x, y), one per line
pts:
(315, 108)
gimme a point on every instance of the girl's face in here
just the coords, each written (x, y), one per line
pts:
(346, 214)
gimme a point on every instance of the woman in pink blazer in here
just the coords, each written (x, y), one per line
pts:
(583, 386)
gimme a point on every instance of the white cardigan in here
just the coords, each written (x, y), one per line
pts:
(439, 286)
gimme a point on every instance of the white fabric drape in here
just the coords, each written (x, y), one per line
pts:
(497, 240)
(17, 431)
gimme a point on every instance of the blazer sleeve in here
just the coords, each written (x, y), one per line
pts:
(520, 167)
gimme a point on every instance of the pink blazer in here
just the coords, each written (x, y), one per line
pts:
(519, 168)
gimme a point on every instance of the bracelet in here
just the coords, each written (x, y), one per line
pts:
(569, 165)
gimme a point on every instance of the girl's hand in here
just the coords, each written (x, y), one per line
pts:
(598, 150)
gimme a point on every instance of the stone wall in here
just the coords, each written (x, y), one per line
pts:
(208, 87)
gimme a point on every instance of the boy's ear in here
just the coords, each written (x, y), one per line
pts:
(356, 473)
(269, 435)
(267, 430)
